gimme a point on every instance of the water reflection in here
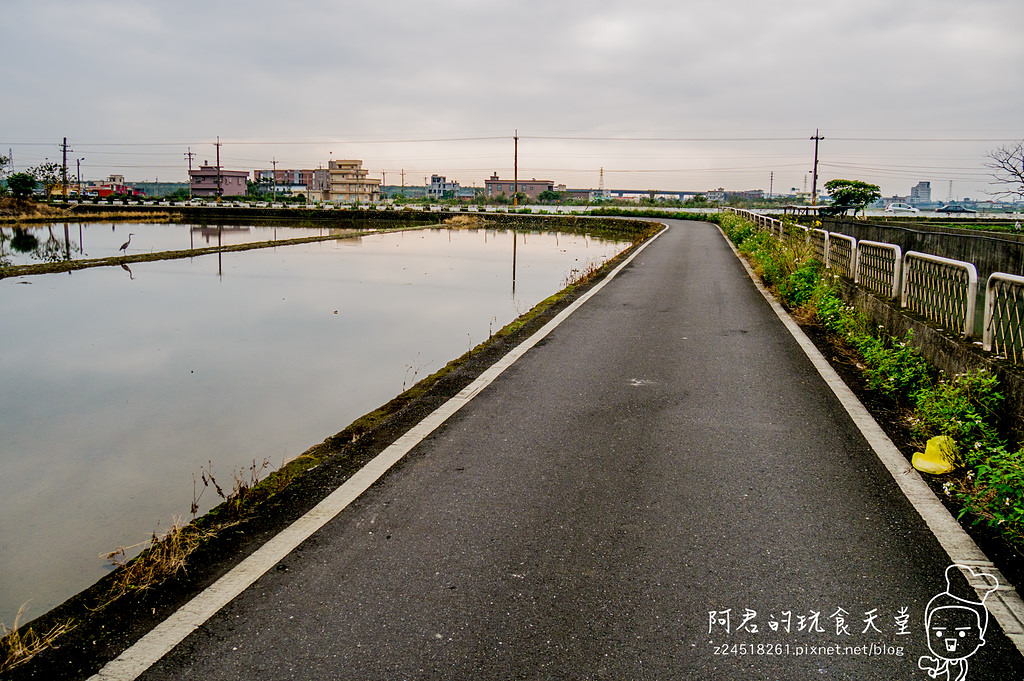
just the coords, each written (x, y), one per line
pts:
(25, 245)
(119, 383)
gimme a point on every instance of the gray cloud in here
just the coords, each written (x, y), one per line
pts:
(323, 73)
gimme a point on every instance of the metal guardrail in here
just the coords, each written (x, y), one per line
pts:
(818, 241)
(841, 254)
(878, 268)
(940, 289)
(1004, 312)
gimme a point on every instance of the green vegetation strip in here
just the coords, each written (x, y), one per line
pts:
(988, 482)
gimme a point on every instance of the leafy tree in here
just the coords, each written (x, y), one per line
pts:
(1007, 165)
(548, 196)
(48, 175)
(22, 184)
(852, 192)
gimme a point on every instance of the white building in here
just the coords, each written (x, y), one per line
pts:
(441, 188)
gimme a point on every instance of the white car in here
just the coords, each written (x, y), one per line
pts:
(901, 208)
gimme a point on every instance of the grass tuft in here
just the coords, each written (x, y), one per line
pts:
(18, 647)
(163, 557)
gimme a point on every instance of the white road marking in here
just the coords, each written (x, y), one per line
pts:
(1005, 604)
(172, 631)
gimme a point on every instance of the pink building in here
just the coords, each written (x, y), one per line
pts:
(496, 187)
(211, 181)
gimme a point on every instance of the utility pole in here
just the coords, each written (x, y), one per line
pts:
(64, 168)
(403, 183)
(814, 180)
(771, 183)
(189, 155)
(78, 166)
(515, 172)
(273, 162)
(219, 190)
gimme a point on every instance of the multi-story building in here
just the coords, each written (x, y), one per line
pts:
(441, 188)
(921, 193)
(348, 183)
(213, 181)
(114, 186)
(284, 179)
(319, 188)
(532, 188)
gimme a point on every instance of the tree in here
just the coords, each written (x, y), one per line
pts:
(549, 196)
(852, 193)
(48, 175)
(1007, 164)
(22, 185)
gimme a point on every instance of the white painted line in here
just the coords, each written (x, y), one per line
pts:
(1005, 604)
(172, 631)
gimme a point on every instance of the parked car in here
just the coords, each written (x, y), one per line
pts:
(901, 208)
(955, 208)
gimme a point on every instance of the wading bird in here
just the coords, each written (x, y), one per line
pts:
(124, 246)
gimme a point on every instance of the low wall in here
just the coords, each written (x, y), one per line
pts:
(948, 353)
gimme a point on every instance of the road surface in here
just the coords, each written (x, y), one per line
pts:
(663, 488)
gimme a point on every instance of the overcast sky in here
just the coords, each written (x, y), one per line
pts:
(681, 94)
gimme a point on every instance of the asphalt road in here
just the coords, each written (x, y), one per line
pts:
(668, 452)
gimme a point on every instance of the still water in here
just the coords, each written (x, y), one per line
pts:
(119, 385)
(78, 241)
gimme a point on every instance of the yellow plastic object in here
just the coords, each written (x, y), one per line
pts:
(938, 457)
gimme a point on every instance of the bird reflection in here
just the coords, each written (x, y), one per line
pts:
(128, 270)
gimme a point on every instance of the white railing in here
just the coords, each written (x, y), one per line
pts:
(818, 241)
(878, 268)
(841, 254)
(1004, 312)
(763, 221)
(940, 289)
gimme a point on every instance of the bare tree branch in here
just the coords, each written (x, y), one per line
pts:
(1007, 165)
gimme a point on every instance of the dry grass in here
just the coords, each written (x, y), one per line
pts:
(581, 275)
(18, 647)
(465, 222)
(163, 557)
(24, 208)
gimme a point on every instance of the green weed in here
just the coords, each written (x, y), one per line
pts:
(963, 407)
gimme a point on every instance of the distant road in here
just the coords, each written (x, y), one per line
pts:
(665, 463)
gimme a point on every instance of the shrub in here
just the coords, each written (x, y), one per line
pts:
(798, 288)
(994, 493)
(962, 407)
(894, 368)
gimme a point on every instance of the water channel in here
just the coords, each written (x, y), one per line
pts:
(120, 384)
